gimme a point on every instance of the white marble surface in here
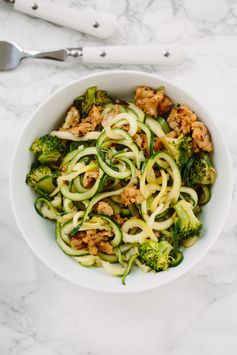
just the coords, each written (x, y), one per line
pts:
(41, 314)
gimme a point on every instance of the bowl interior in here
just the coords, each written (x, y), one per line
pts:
(39, 233)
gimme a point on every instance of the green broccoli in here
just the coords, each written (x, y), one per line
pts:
(102, 98)
(186, 223)
(180, 148)
(49, 148)
(92, 97)
(84, 102)
(156, 255)
(37, 172)
(201, 171)
(41, 179)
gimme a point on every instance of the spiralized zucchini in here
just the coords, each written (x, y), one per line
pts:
(122, 187)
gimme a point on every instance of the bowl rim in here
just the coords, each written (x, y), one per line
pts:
(124, 290)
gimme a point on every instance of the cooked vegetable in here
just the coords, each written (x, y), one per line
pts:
(156, 255)
(92, 97)
(187, 224)
(41, 179)
(48, 149)
(164, 124)
(37, 172)
(201, 171)
(123, 189)
(74, 145)
(181, 148)
(176, 259)
(102, 98)
(204, 194)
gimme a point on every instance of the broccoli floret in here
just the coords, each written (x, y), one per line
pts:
(180, 148)
(102, 98)
(92, 97)
(49, 148)
(37, 172)
(84, 102)
(201, 171)
(186, 223)
(156, 255)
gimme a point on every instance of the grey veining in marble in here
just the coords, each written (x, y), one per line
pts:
(41, 314)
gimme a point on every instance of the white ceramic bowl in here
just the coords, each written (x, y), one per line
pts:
(39, 233)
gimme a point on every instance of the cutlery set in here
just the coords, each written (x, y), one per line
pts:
(91, 22)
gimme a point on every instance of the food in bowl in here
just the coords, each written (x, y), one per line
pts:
(124, 181)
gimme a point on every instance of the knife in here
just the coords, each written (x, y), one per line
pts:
(86, 20)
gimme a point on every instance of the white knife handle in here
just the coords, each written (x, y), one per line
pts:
(85, 20)
(152, 54)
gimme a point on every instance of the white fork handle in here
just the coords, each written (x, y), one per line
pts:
(152, 54)
(85, 20)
